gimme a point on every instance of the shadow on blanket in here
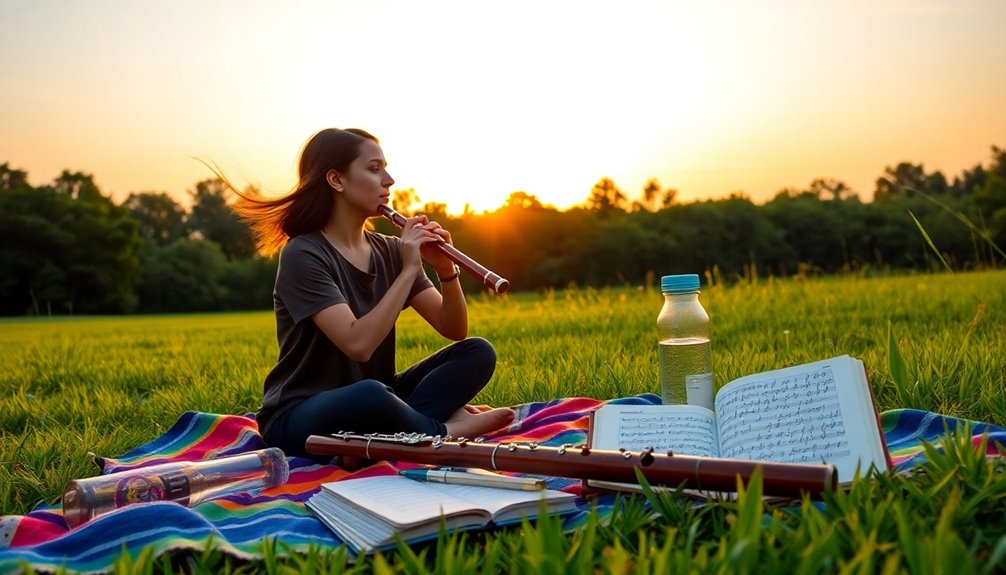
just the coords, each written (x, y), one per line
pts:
(237, 524)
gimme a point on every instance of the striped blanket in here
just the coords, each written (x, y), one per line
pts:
(238, 524)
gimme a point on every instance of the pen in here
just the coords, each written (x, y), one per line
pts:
(478, 479)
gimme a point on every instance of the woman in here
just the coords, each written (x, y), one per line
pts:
(339, 291)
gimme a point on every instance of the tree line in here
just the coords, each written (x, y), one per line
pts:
(66, 248)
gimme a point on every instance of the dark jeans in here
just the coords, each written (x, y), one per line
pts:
(420, 399)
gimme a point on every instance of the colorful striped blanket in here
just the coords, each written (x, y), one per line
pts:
(238, 524)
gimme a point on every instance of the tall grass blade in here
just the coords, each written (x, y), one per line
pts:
(929, 241)
(896, 363)
(997, 557)
(983, 234)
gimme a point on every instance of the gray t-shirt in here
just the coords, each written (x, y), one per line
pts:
(312, 276)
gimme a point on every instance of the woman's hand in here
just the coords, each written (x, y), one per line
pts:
(436, 258)
(417, 234)
(446, 309)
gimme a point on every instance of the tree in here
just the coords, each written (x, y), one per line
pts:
(936, 183)
(527, 243)
(605, 198)
(522, 200)
(990, 197)
(66, 248)
(895, 180)
(11, 179)
(830, 188)
(436, 211)
(812, 228)
(77, 185)
(249, 283)
(403, 200)
(183, 276)
(212, 219)
(654, 198)
(103, 259)
(160, 217)
(619, 251)
(29, 238)
(906, 177)
(969, 181)
(649, 199)
(998, 166)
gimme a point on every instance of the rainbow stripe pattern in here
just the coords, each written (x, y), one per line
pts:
(907, 430)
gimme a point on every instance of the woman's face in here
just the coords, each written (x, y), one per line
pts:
(367, 183)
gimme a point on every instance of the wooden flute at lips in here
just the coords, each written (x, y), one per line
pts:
(580, 462)
(491, 280)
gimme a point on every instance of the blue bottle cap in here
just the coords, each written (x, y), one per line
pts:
(679, 283)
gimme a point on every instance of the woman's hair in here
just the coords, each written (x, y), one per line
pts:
(308, 206)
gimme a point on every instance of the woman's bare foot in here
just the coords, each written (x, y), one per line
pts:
(478, 408)
(465, 423)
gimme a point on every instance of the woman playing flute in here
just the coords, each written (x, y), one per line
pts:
(339, 291)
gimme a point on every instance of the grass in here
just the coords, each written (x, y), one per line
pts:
(932, 342)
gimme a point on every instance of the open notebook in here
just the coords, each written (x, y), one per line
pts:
(369, 513)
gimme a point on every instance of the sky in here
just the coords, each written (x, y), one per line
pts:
(475, 100)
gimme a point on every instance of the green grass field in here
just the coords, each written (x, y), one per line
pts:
(107, 384)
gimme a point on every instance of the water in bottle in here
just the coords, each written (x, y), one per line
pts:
(685, 353)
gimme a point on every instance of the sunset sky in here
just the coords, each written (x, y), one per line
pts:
(475, 100)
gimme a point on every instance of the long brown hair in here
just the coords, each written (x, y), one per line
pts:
(308, 206)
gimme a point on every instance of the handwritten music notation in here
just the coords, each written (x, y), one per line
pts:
(796, 419)
(685, 433)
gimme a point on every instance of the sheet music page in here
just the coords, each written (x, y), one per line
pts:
(684, 429)
(804, 414)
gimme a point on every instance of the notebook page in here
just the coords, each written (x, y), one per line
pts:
(401, 501)
(497, 500)
(350, 524)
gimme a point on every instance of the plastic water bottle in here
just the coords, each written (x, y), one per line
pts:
(686, 367)
(186, 482)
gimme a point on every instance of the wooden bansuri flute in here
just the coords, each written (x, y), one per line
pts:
(490, 279)
(664, 469)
